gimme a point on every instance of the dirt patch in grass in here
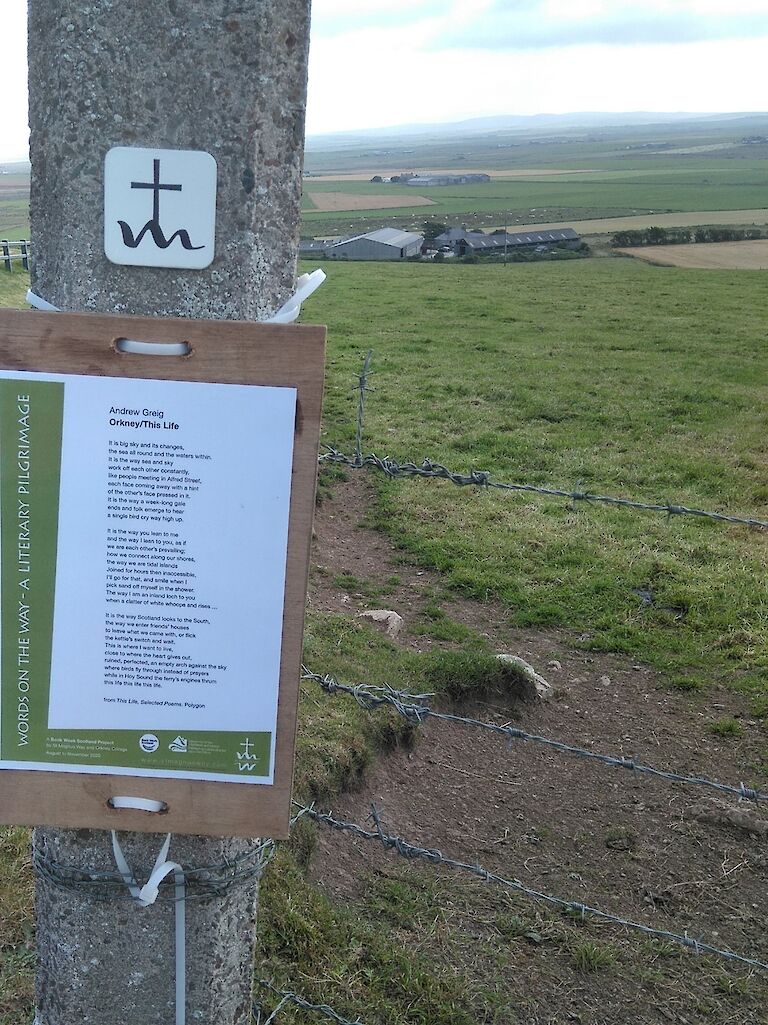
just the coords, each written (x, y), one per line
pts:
(752, 255)
(646, 850)
(333, 201)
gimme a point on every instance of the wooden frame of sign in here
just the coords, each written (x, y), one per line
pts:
(274, 356)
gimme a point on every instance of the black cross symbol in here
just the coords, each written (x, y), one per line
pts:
(156, 189)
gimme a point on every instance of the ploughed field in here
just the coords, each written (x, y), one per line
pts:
(749, 255)
(348, 201)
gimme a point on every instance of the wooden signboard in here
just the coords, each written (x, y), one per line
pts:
(156, 504)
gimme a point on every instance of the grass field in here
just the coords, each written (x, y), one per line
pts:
(14, 218)
(13, 288)
(623, 378)
(14, 206)
(608, 193)
(632, 380)
(697, 170)
(591, 173)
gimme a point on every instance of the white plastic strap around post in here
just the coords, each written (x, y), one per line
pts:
(41, 304)
(146, 895)
(287, 314)
(305, 286)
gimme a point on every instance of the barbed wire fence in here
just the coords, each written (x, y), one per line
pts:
(416, 710)
(363, 389)
(413, 708)
(214, 881)
(429, 468)
(289, 998)
(413, 852)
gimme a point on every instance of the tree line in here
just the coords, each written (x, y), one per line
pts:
(656, 236)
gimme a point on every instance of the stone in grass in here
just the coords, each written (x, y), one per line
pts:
(388, 621)
(542, 687)
(716, 813)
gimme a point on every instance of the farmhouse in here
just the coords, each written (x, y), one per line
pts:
(384, 244)
(452, 236)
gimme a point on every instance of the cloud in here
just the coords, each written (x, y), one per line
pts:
(540, 24)
(335, 17)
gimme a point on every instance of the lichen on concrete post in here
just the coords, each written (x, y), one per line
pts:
(227, 77)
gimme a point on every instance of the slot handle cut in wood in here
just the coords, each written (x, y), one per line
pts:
(139, 804)
(134, 347)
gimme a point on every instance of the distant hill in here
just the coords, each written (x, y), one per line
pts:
(15, 167)
(526, 123)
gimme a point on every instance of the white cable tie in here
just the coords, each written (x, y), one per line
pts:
(146, 895)
(289, 312)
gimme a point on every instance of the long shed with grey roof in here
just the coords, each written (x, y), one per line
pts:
(464, 242)
(384, 244)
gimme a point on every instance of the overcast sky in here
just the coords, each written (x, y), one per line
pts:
(383, 62)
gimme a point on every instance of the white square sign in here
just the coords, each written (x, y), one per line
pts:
(159, 207)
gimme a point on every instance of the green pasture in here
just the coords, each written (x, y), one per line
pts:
(14, 218)
(632, 380)
(14, 206)
(622, 378)
(607, 193)
(13, 288)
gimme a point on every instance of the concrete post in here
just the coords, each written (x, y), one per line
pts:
(228, 77)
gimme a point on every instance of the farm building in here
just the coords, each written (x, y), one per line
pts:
(429, 180)
(384, 244)
(314, 246)
(477, 242)
(450, 237)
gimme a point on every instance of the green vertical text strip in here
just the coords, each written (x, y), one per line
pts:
(31, 420)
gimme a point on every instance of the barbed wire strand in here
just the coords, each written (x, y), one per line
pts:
(413, 852)
(412, 708)
(289, 997)
(482, 478)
